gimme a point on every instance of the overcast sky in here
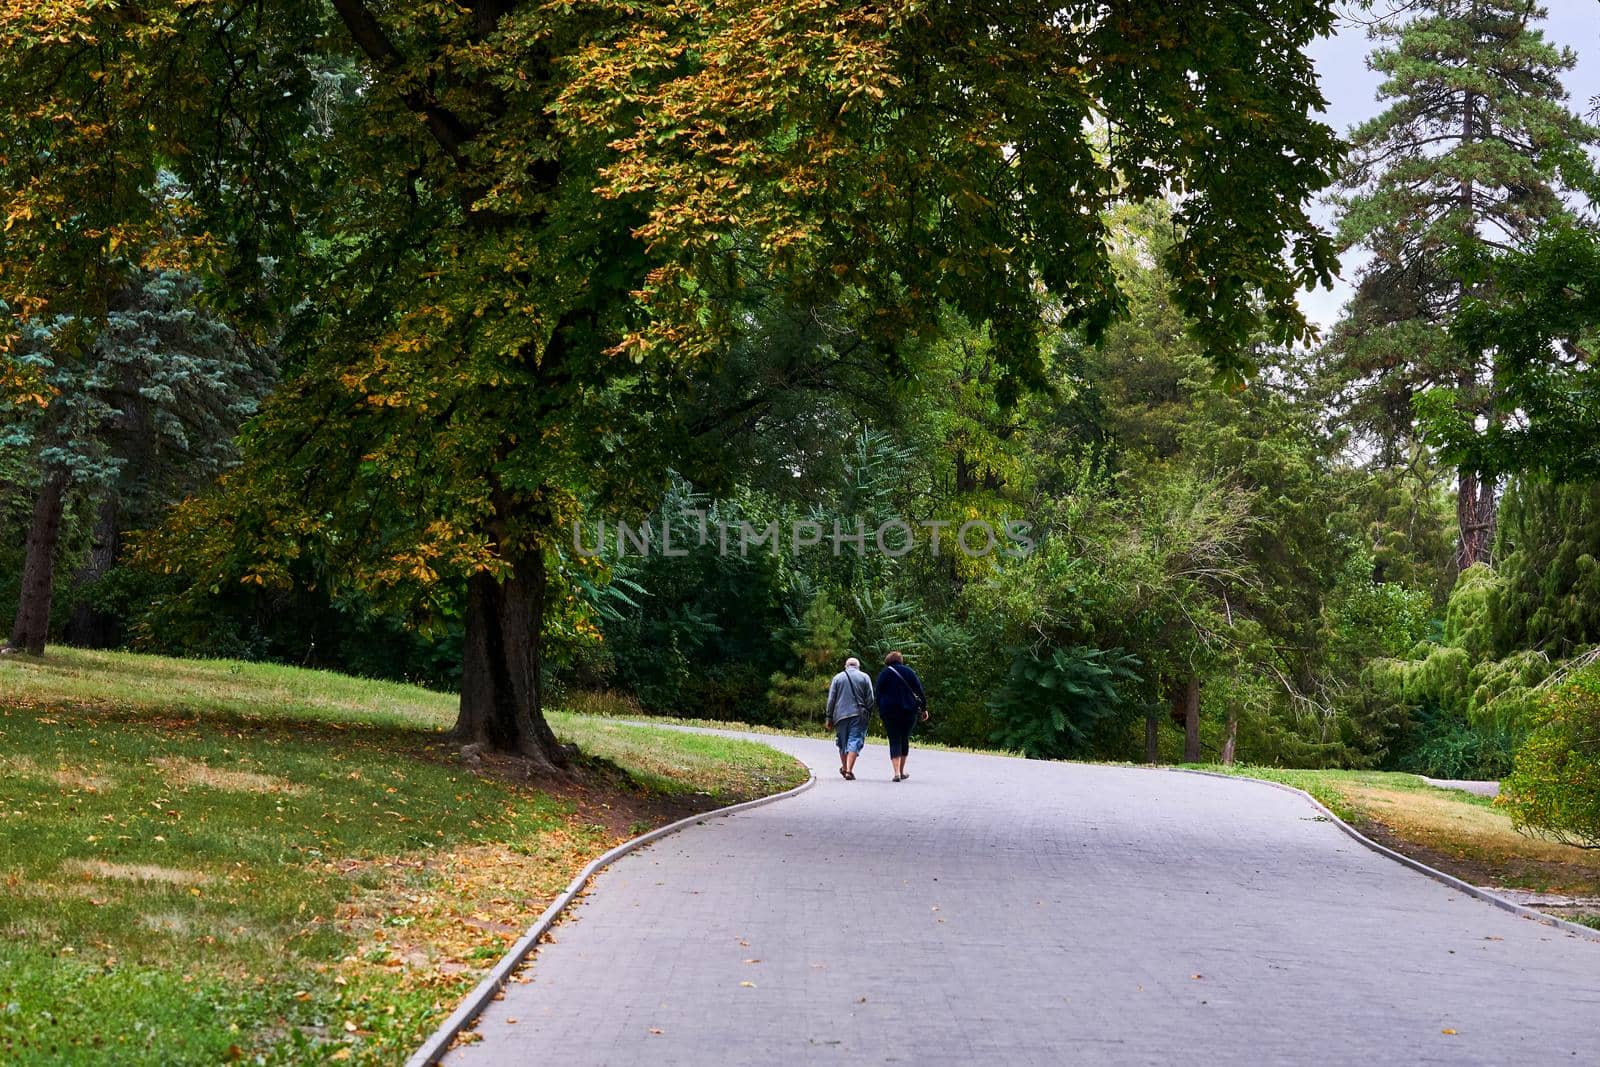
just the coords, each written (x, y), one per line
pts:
(1351, 90)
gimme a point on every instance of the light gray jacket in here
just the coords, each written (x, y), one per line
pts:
(849, 695)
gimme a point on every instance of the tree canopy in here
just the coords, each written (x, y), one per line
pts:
(512, 235)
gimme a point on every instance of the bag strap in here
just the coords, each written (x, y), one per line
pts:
(861, 705)
(920, 701)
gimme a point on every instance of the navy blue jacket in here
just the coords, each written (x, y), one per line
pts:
(899, 689)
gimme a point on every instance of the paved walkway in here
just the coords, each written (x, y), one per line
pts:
(998, 911)
(1482, 789)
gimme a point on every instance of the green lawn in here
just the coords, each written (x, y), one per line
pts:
(207, 861)
(1337, 788)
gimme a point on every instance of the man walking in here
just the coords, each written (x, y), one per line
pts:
(849, 708)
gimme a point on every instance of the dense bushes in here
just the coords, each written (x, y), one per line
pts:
(1549, 590)
(1440, 744)
(1464, 701)
(1055, 702)
(1555, 789)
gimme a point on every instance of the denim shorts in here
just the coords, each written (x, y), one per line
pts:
(851, 733)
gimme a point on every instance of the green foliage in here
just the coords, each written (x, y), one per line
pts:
(307, 626)
(1460, 707)
(960, 672)
(1476, 150)
(1406, 514)
(886, 624)
(1055, 701)
(692, 634)
(1537, 311)
(866, 173)
(145, 401)
(1467, 617)
(153, 401)
(1447, 746)
(1476, 147)
(1555, 789)
(1366, 617)
(1503, 690)
(835, 262)
(1468, 699)
(820, 644)
(1440, 680)
(1548, 594)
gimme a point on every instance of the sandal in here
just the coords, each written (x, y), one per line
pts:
(843, 773)
(849, 776)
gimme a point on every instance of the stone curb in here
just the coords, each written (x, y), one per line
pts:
(438, 1043)
(1576, 929)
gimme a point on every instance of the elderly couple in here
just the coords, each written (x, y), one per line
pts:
(900, 700)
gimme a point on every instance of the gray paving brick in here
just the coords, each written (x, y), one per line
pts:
(993, 910)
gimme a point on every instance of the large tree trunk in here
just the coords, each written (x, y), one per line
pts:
(1475, 505)
(501, 708)
(32, 624)
(1475, 518)
(1191, 720)
(88, 627)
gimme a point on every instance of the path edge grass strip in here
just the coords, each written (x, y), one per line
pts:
(1417, 865)
(438, 1043)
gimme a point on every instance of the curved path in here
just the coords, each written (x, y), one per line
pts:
(1001, 911)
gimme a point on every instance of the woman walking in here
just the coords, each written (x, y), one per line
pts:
(902, 704)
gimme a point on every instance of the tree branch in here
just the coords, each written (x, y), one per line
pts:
(447, 129)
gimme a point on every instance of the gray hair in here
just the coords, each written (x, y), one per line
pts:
(852, 662)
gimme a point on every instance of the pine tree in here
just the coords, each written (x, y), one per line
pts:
(1475, 151)
(145, 413)
(821, 642)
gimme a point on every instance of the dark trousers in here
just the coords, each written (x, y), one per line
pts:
(898, 723)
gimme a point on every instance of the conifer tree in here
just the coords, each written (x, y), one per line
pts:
(1548, 596)
(1475, 151)
(146, 412)
(821, 641)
